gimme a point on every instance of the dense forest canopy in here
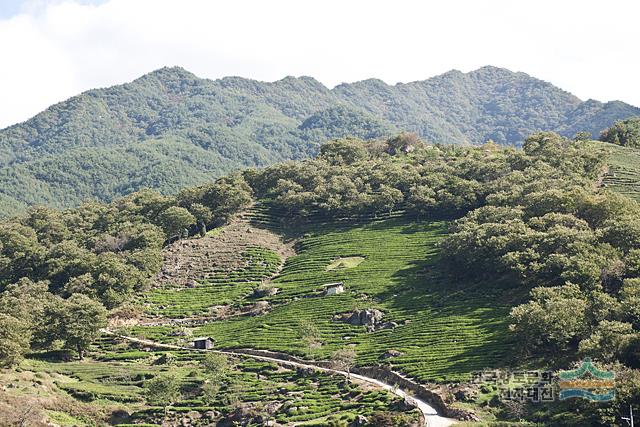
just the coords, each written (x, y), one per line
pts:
(170, 129)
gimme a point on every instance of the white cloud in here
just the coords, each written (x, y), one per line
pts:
(56, 49)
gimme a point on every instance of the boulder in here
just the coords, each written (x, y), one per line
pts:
(391, 353)
(389, 325)
(267, 291)
(369, 317)
(465, 394)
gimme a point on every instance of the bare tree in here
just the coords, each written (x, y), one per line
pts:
(343, 360)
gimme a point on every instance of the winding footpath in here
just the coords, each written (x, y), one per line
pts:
(432, 419)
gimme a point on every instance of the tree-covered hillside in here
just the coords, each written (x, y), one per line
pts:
(452, 258)
(170, 128)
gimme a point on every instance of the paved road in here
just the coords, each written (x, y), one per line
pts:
(432, 419)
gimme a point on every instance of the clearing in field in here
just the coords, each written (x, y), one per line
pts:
(344, 263)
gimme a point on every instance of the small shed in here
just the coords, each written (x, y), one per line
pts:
(333, 288)
(203, 343)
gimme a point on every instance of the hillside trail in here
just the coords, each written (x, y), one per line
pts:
(432, 419)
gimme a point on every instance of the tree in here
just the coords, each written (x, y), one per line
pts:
(175, 219)
(630, 301)
(386, 199)
(66, 260)
(622, 232)
(146, 202)
(422, 199)
(216, 366)
(609, 340)
(163, 390)
(82, 320)
(309, 334)
(548, 144)
(343, 151)
(21, 253)
(227, 196)
(343, 360)
(623, 132)
(217, 369)
(555, 316)
(14, 340)
(191, 198)
(25, 299)
(115, 279)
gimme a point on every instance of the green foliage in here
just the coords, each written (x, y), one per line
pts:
(175, 219)
(14, 340)
(554, 230)
(623, 132)
(109, 251)
(75, 322)
(344, 181)
(169, 129)
(162, 390)
(216, 366)
(554, 316)
(82, 319)
(529, 220)
(343, 151)
(609, 341)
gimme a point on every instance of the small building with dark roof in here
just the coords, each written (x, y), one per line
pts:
(203, 343)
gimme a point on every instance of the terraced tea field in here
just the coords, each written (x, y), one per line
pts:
(224, 287)
(115, 378)
(624, 171)
(438, 330)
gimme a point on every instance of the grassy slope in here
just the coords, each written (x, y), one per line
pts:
(445, 330)
(624, 171)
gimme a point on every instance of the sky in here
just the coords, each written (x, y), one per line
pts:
(54, 49)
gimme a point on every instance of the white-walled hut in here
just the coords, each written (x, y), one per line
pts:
(333, 288)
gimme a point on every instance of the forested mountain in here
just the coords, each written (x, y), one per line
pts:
(170, 128)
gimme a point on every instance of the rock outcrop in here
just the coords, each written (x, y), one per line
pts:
(372, 318)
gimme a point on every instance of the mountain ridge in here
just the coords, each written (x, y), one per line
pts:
(169, 128)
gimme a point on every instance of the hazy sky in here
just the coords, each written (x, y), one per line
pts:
(52, 49)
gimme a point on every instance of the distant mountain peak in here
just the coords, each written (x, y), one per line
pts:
(168, 73)
(170, 128)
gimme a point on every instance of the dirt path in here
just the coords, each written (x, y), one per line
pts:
(432, 419)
